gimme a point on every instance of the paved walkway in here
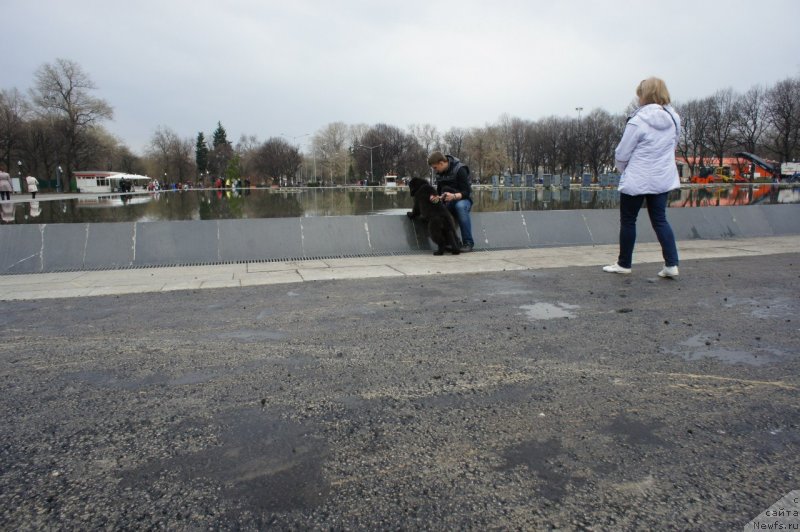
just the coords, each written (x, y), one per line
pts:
(107, 282)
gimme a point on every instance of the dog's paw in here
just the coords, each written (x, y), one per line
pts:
(438, 252)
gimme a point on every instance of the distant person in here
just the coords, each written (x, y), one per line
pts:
(453, 184)
(6, 188)
(33, 185)
(646, 158)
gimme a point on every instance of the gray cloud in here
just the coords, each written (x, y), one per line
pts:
(272, 67)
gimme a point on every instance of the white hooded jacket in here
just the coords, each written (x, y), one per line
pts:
(646, 153)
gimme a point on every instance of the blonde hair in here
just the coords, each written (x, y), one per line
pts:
(653, 90)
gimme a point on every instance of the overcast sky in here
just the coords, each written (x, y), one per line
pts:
(290, 67)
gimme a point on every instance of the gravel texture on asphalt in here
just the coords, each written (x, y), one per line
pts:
(563, 398)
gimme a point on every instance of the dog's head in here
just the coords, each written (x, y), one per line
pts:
(415, 184)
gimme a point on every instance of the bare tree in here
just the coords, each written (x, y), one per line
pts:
(600, 133)
(783, 115)
(331, 145)
(427, 136)
(65, 90)
(534, 152)
(14, 111)
(570, 141)
(453, 142)
(694, 127)
(277, 159)
(247, 150)
(722, 117)
(396, 152)
(172, 158)
(487, 152)
(551, 143)
(750, 119)
(513, 135)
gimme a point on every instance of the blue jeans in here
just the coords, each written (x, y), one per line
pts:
(657, 210)
(460, 211)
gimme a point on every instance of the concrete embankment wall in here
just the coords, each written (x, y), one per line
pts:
(90, 246)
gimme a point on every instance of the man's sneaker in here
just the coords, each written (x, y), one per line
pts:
(616, 268)
(466, 248)
(668, 271)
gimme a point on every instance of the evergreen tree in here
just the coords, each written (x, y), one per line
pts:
(221, 151)
(220, 137)
(201, 154)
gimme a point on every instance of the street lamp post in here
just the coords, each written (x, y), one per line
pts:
(314, 156)
(370, 148)
(58, 178)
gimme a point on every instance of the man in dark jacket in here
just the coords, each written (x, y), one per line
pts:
(454, 188)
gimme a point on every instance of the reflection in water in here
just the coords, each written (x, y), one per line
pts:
(716, 196)
(7, 211)
(294, 203)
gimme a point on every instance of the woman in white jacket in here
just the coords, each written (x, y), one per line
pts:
(33, 185)
(646, 158)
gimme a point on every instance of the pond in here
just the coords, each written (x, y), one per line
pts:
(298, 202)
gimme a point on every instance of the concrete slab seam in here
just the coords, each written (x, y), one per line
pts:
(85, 245)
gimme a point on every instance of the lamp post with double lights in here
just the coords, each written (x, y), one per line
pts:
(370, 148)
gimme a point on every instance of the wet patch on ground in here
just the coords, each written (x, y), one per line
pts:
(549, 311)
(706, 346)
(263, 463)
(546, 459)
(505, 287)
(121, 381)
(635, 432)
(111, 379)
(251, 335)
(764, 308)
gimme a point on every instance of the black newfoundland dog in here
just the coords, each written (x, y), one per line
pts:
(441, 226)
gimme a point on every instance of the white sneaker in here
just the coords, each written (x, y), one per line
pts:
(668, 271)
(616, 268)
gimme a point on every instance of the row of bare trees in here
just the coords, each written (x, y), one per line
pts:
(58, 124)
(57, 127)
(763, 121)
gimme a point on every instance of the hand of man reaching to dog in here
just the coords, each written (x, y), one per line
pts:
(450, 196)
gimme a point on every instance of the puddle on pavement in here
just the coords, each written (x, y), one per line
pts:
(635, 432)
(780, 439)
(542, 459)
(266, 313)
(263, 463)
(700, 346)
(503, 287)
(548, 311)
(120, 381)
(113, 380)
(766, 308)
(251, 335)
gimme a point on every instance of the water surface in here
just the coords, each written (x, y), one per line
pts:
(300, 202)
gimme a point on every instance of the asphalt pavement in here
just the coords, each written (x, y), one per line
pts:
(521, 389)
